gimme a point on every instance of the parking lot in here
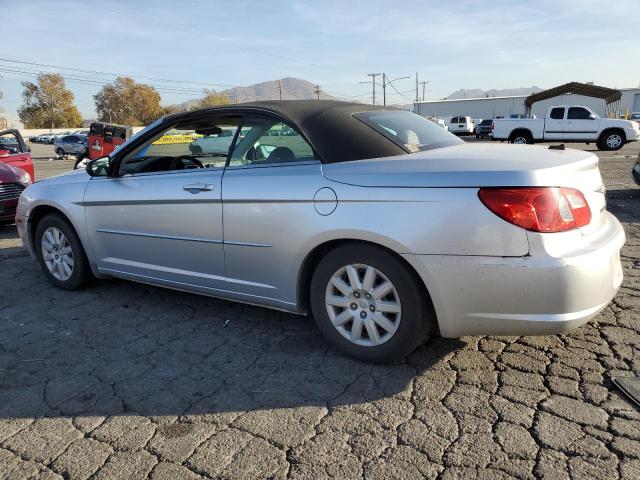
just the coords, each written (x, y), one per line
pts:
(123, 380)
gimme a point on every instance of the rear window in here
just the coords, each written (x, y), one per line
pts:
(408, 130)
(557, 113)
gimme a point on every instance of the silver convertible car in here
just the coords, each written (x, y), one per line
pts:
(379, 223)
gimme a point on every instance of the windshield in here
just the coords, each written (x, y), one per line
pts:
(486, 123)
(408, 130)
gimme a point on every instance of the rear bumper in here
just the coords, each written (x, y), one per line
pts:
(533, 295)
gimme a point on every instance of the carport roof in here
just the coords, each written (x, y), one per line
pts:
(609, 95)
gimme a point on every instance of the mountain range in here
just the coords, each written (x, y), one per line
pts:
(506, 92)
(290, 88)
(287, 89)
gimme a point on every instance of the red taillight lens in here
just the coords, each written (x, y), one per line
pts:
(542, 209)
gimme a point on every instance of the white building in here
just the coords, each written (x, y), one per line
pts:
(493, 107)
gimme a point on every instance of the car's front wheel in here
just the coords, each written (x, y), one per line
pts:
(60, 253)
(60, 152)
(368, 304)
(611, 140)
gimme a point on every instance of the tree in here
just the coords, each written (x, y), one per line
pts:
(211, 99)
(128, 103)
(48, 104)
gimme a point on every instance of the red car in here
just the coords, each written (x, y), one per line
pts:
(12, 182)
(14, 152)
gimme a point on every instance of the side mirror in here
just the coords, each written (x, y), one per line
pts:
(98, 167)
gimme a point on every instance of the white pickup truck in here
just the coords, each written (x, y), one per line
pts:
(567, 123)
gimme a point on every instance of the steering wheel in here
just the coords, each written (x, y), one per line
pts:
(180, 160)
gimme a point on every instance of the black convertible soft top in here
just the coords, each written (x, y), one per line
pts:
(330, 127)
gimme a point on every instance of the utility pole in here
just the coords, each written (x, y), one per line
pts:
(280, 88)
(373, 83)
(317, 91)
(384, 89)
(424, 84)
(417, 97)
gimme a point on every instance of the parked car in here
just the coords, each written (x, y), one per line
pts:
(483, 129)
(45, 138)
(568, 123)
(636, 170)
(461, 125)
(12, 182)
(214, 142)
(71, 145)
(437, 121)
(635, 116)
(396, 231)
(14, 152)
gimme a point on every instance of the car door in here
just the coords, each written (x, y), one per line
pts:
(15, 152)
(160, 220)
(268, 198)
(554, 124)
(581, 124)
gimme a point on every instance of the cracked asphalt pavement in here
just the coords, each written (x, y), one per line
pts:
(128, 381)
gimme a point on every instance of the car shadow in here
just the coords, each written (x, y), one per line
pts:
(625, 204)
(125, 348)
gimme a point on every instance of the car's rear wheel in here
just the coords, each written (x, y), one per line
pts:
(60, 253)
(368, 304)
(521, 138)
(611, 140)
(60, 152)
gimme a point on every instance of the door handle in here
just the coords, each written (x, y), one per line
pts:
(198, 187)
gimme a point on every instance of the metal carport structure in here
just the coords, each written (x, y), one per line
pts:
(611, 96)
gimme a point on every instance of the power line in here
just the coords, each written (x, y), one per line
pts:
(98, 72)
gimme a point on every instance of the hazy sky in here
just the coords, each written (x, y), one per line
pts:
(462, 44)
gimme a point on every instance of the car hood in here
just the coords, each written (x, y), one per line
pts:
(472, 165)
(74, 176)
(9, 173)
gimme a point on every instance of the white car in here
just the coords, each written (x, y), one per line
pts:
(461, 125)
(568, 123)
(212, 144)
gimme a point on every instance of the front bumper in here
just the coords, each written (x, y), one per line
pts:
(534, 295)
(632, 134)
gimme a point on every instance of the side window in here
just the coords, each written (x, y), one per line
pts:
(186, 145)
(578, 113)
(266, 140)
(557, 113)
(9, 143)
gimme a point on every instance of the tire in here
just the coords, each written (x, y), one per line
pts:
(521, 138)
(60, 152)
(404, 330)
(80, 274)
(611, 140)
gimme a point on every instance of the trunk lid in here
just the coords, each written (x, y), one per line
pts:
(488, 165)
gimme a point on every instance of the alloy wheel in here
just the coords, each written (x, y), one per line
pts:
(57, 253)
(614, 141)
(363, 305)
(520, 140)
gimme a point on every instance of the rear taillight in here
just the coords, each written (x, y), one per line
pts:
(540, 209)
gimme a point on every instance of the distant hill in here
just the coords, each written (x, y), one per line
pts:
(506, 92)
(292, 89)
